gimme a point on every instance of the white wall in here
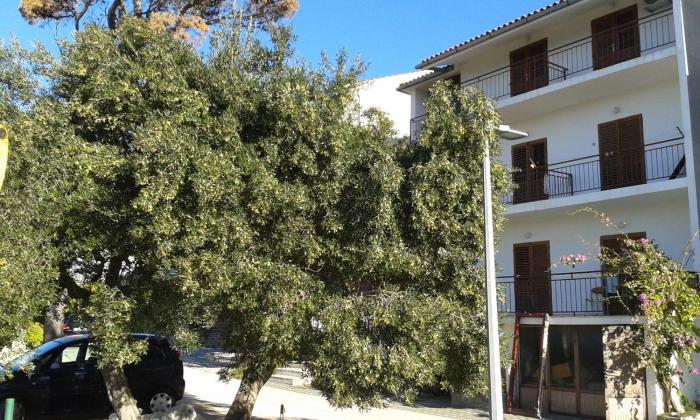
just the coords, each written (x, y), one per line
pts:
(381, 93)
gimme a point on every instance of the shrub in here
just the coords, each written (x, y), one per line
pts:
(35, 335)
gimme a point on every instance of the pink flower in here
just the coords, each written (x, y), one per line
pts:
(643, 241)
(695, 371)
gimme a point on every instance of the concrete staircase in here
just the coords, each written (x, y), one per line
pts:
(212, 337)
(292, 375)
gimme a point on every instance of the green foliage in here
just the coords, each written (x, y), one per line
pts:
(247, 187)
(34, 335)
(669, 306)
(111, 313)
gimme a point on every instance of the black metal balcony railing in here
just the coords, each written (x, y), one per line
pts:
(654, 31)
(658, 161)
(576, 293)
(580, 293)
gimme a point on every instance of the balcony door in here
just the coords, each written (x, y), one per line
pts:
(616, 301)
(528, 68)
(529, 171)
(533, 289)
(621, 145)
(615, 38)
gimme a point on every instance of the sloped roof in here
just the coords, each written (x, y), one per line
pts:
(433, 73)
(491, 33)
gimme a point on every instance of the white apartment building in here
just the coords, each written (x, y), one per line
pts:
(608, 93)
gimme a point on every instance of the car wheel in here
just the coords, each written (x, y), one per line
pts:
(20, 412)
(161, 401)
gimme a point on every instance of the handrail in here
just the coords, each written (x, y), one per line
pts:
(576, 56)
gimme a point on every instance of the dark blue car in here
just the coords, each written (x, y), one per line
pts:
(65, 382)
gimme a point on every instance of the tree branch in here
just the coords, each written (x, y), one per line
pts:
(112, 14)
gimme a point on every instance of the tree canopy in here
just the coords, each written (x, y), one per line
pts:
(174, 190)
(180, 17)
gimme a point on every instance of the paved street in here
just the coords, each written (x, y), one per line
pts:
(212, 398)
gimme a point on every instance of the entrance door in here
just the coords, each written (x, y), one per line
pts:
(528, 68)
(576, 371)
(615, 38)
(529, 171)
(621, 144)
(533, 290)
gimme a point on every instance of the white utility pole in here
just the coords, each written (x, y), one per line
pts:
(495, 391)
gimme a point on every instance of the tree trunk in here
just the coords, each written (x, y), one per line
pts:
(119, 394)
(251, 383)
(53, 324)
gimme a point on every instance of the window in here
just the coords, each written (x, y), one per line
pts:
(621, 148)
(529, 171)
(532, 282)
(529, 68)
(615, 37)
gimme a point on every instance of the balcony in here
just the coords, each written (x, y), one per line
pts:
(621, 43)
(583, 293)
(574, 294)
(658, 161)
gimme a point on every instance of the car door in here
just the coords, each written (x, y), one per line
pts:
(63, 376)
(74, 386)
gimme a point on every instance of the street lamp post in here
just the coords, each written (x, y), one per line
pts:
(495, 392)
(495, 388)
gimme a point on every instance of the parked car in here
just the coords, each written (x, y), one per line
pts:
(73, 325)
(65, 381)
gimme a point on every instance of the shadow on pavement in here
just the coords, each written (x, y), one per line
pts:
(207, 358)
(211, 411)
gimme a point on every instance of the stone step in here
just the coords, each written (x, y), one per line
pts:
(289, 371)
(295, 366)
(288, 380)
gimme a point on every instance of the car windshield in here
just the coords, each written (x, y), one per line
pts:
(35, 354)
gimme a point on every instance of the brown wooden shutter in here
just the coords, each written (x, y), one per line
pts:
(607, 144)
(615, 37)
(530, 170)
(529, 67)
(520, 163)
(632, 165)
(627, 34)
(621, 145)
(532, 280)
(603, 40)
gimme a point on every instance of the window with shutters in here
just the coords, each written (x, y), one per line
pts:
(529, 171)
(615, 38)
(533, 291)
(621, 146)
(528, 68)
(617, 302)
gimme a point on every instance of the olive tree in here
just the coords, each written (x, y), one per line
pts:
(247, 187)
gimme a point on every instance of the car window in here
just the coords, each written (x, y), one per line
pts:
(154, 353)
(90, 357)
(69, 356)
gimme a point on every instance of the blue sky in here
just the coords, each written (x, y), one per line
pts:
(390, 35)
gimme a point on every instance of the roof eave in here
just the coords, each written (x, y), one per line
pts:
(491, 34)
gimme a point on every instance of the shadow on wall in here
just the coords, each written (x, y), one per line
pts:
(624, 384)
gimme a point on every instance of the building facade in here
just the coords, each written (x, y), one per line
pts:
(608, 93)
